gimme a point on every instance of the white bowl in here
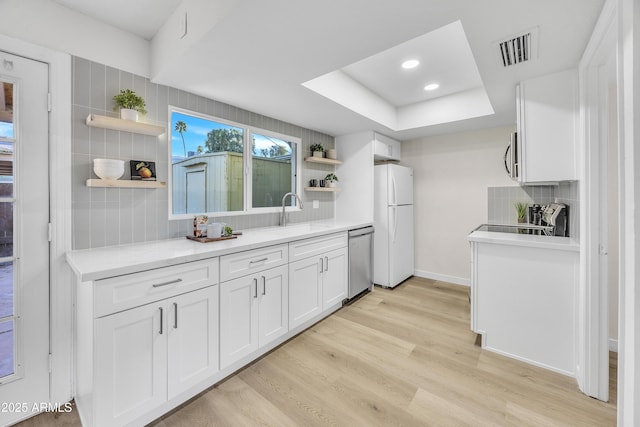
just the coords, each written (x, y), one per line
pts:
(108, 168)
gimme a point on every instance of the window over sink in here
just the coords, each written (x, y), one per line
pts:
(222, 167)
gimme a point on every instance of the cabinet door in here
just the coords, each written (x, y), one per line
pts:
(131, 362)
(193, 339)
(238, 319)
(273, 288)
(305, 290)
(547, 127)
(334, 278)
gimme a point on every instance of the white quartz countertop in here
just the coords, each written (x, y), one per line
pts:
(528, 240)
(100, 263)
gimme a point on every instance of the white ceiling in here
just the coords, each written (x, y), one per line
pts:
(260, 53)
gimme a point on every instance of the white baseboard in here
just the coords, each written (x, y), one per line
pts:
(442, 277)
(613, 345)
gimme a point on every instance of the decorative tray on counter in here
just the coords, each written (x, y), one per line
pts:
(211, 239)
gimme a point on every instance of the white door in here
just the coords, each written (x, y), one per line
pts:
(401, 243)
(273, 288)
(193, 339)
(334, 278)
(238, 319)
(130, 363)
(196, 191)
(400, 185)
(24, 246)
(305, 290)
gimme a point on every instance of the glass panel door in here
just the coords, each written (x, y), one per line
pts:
(8, 313)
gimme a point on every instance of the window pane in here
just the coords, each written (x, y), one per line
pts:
(207, 158)
(6, 169)
(273, 170)
(7, 311)
(7, 349)
(6, 110)
(6, 229)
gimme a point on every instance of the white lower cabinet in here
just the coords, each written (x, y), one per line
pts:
(152, 353)
(253, 312)
(318, 282)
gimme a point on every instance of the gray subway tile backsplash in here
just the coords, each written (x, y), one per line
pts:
(502, 200)
(112, 216)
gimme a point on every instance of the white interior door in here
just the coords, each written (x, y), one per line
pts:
(24, 246)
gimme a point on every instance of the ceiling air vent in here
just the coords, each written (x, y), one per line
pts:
(518, 49)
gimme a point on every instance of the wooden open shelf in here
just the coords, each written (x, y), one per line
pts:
(124, 183)
(324, 189)
(114, 123)
(322, 160)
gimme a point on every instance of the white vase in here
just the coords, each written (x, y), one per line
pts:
(129, 114)
(331, 184)
(331, 153)
(318, 154)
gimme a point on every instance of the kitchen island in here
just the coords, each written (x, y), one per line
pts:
(523, 297)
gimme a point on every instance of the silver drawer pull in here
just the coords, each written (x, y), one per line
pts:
(171, 282)
(264, 285)
(258, 260)
(175, 318)
(161, 318)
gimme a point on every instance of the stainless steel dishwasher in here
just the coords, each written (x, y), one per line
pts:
(360, 261)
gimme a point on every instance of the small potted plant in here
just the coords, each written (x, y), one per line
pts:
(130, 104)
(521, 210)
(331, 179)
(317, 150)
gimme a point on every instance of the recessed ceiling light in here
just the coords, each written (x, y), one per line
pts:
(432, 86)
(411, 63)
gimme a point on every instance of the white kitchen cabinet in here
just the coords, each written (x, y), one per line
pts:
(305, 290)
(318, 276)
(152, 353)
(547, 124)
(253, 312)
(334, 278)
(385, 148)
(523, 301)
(144, 338)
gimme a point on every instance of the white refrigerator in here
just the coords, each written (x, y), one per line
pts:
(393, 221)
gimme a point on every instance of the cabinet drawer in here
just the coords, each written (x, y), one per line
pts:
(124, 292)
(249, 262)
(317, 245)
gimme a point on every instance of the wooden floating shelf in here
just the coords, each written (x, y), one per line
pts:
(114, 123)
(324, 189)
(322, 160)
(123, 183)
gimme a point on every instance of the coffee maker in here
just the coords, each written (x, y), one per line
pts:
(556, 215)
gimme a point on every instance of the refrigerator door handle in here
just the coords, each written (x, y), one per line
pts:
(395, 223)
(394, 201)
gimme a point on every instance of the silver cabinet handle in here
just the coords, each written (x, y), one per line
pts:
(264, 285)
(258, 260)
(161, 319)
(175, 317)
(326, 263)
(255, 284)
(321, 265)
(170, 282)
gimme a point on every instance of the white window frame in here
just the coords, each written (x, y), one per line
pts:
(247, 185)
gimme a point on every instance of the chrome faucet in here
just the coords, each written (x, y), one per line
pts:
(283, 217)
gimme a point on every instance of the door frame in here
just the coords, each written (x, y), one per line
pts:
(62, 281)
(592, 367)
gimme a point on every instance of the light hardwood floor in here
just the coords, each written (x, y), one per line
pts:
(395, 357)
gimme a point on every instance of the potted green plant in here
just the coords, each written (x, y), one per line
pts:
(130, 104)
(317, 150)
(521, 210)
(331, 179)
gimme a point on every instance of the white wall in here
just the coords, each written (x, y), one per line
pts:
(46, 23)
(454, 170)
